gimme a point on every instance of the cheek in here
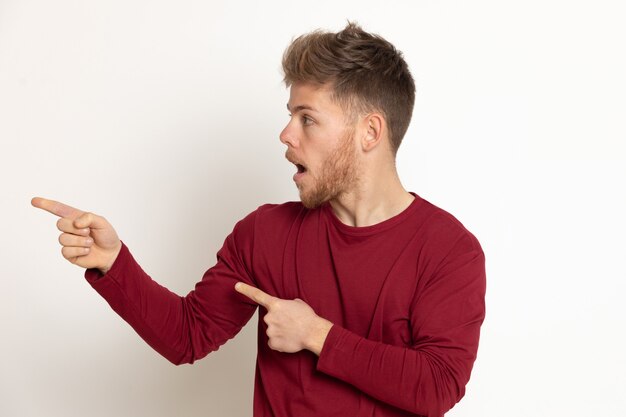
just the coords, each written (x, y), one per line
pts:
(316, 163)
(318, 149)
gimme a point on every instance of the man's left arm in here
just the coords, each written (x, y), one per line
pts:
(428, 377)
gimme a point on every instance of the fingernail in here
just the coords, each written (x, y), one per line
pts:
(89, 241)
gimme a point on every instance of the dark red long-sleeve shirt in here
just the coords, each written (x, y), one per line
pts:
(406, 297)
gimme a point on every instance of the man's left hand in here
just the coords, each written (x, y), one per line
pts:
(292, 325)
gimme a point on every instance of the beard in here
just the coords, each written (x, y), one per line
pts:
(338, 175)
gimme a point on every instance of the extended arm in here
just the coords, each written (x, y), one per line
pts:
(182, 329)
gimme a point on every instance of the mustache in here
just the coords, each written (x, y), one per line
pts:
(291, 158)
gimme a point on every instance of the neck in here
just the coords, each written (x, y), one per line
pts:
(377, 197)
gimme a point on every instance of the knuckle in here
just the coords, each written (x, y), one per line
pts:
(269, 319)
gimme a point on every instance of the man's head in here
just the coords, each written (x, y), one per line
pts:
(351, 100)
(321, 144)
(364, 72)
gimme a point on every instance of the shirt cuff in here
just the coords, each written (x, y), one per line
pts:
(337, 352)
(95, 277)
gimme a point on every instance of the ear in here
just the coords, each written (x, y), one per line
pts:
(374, 125)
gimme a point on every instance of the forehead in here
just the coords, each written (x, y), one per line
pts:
(312, 97)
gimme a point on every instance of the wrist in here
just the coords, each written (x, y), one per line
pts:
(112, 259)
(318, 335)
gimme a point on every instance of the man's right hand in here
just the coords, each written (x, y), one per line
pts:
(88, 240)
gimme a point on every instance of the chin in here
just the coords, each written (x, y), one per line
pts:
(311, 204)
(313, 200)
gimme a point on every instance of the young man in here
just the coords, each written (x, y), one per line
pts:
(371, 298)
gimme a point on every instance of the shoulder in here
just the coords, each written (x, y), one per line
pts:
(444, 231)
(451, 255)
(266, 227)
(280, 212)
(272, 218)
(277, 213)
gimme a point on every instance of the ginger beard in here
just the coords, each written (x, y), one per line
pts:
(338, 174)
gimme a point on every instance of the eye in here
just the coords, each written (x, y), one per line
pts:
(306, 120)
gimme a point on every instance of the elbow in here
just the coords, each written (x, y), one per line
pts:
(174, 357)
(177, 356)
(437, 406)
(444, 400)
(180, 361)
(438, 397)
(185, 358)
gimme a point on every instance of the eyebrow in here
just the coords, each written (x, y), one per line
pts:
(301, 107)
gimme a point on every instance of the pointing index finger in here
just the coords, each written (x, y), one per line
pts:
(255, 294)
(56, 208)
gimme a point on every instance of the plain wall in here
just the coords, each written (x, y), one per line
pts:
(164, 117)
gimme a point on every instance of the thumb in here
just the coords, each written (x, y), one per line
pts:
(89, 220)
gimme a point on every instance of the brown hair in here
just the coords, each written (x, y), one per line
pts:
(365, 72)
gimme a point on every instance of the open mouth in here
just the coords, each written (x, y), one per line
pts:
(300, 173)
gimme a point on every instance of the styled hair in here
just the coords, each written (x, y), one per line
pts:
(364, 72)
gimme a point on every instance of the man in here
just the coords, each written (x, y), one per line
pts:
(371, 297)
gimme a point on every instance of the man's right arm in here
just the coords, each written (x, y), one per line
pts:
(182, 329)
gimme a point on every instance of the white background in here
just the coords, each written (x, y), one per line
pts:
(164, 117)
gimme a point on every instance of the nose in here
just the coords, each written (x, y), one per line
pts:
(288, 136)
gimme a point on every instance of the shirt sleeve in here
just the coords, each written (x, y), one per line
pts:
(428, 377)
(184, 329)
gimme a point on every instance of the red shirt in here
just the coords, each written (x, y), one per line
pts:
(406, 297)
